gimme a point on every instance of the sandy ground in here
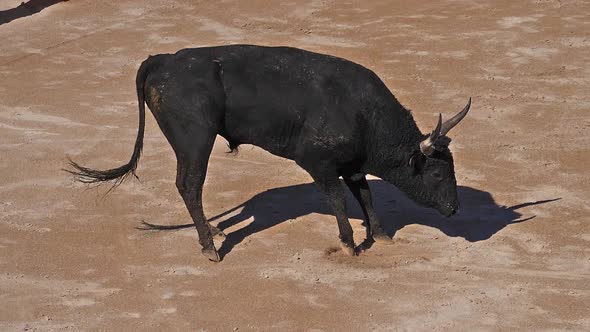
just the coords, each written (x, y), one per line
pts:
(71, 258)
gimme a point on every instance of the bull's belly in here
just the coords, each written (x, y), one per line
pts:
(278, 146)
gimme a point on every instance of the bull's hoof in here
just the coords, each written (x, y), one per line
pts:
(218, 233)
(347, 249)
(364, 246)
(211, 254)
(382, 238)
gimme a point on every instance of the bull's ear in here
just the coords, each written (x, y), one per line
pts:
(416, 162)
(442, 143)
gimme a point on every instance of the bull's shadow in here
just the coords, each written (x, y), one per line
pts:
(26, 9)
(479, 218)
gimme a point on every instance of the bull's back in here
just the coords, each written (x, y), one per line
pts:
(289, 101)
(292, 102)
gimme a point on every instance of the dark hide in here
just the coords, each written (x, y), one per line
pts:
(333, 117)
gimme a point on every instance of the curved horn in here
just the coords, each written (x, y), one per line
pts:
(452, 122)
(427, 145)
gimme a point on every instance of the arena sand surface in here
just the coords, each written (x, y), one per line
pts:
(71, 258)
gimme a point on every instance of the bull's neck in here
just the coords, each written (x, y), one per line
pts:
(392, 138)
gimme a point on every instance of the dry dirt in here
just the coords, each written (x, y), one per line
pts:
(71, 258)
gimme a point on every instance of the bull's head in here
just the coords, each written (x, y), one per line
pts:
(433, 169)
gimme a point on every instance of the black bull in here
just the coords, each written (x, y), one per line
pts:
(333, 117)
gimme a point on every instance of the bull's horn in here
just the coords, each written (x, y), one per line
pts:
(452, 122)
(427, 145)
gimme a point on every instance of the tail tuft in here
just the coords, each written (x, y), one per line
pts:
(88, 175)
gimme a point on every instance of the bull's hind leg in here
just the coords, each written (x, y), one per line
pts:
(191, 132)
(190, 177)
(188, 105)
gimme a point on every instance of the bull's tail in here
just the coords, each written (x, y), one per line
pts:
(119, 174)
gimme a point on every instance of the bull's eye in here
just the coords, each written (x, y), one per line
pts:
(437, 176)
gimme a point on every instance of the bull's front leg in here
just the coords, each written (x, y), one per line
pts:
(359, 187)
(332, 187)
